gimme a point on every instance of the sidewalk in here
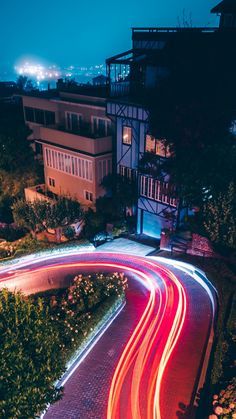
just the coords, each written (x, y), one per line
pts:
(122, 245)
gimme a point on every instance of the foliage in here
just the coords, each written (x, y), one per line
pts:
(30, 359)
(94, 223)
(41, 215)
(11, 233)
(220, 218)
(151, 164)
(38, 335)
(222, 274)
(18, 169)
(123, 191)
(25, 84)
(15, 150)
(192, 109)
(224, 403)
(74, 309)
(69, 233)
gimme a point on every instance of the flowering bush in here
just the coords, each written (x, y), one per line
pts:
(74, 310)
(39, 335)
(224, 403)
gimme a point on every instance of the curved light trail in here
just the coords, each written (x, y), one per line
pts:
(137, 388)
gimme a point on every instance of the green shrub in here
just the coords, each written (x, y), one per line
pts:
(39, 335)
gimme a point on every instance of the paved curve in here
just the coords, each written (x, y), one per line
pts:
(148, 362)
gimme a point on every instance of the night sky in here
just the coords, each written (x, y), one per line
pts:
(86, 32)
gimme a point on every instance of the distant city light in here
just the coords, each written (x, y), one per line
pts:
(37, 71)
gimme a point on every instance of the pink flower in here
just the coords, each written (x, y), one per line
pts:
(218, 410)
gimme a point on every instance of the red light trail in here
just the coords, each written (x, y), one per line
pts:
(136, 390)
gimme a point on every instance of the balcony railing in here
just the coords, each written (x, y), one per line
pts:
(158, 191)
(173, 29)
(85, 130)
(39, 193)
(89, 144)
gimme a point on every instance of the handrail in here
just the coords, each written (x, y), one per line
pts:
(174, 29)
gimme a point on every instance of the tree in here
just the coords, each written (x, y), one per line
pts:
(24, 214)
(42, 215)
(24, 83)
(18, 168)
(30, 356)
(122, 190)
(21, 82)
(192, 108)
(151, 164)
(220, 218)
(62, 212)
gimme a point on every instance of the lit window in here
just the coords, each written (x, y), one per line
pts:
(127, 135)
(156, 146)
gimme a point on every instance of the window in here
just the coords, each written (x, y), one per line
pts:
(49, 118)
(29, 114)
(127, 135)
(156, 146)
(73, 121)
(88, 196)
(104, 168)
(128, 172)
(51, 182)
(39, 116)
(101, 126)
(70, 164)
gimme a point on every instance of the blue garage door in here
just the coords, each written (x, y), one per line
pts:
(151, 225)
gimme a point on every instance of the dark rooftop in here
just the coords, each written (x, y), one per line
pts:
(79, 89)
(225, 6)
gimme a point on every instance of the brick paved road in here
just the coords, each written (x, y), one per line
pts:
(86, 392)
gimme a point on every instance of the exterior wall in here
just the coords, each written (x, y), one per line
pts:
(86, 145)
(60, 143)
(67, 184)
(100, 162)
(87, 109)
(129, 155)
(150, 212)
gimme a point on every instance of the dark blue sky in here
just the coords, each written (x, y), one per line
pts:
(88, 31)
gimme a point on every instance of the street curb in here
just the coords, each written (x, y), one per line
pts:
(82, 354)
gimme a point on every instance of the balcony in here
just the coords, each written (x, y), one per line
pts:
(79, 142)
(39, 193)
(158, 191)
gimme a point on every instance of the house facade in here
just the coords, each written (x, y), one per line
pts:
(133, 76)
(73, 135)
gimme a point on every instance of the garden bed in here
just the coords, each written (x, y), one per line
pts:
(43, 334)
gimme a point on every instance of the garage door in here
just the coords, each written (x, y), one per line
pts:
(151, 225)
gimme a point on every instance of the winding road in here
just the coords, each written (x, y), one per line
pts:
(151, 361)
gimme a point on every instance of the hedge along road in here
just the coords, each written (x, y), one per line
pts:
(148, 363)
